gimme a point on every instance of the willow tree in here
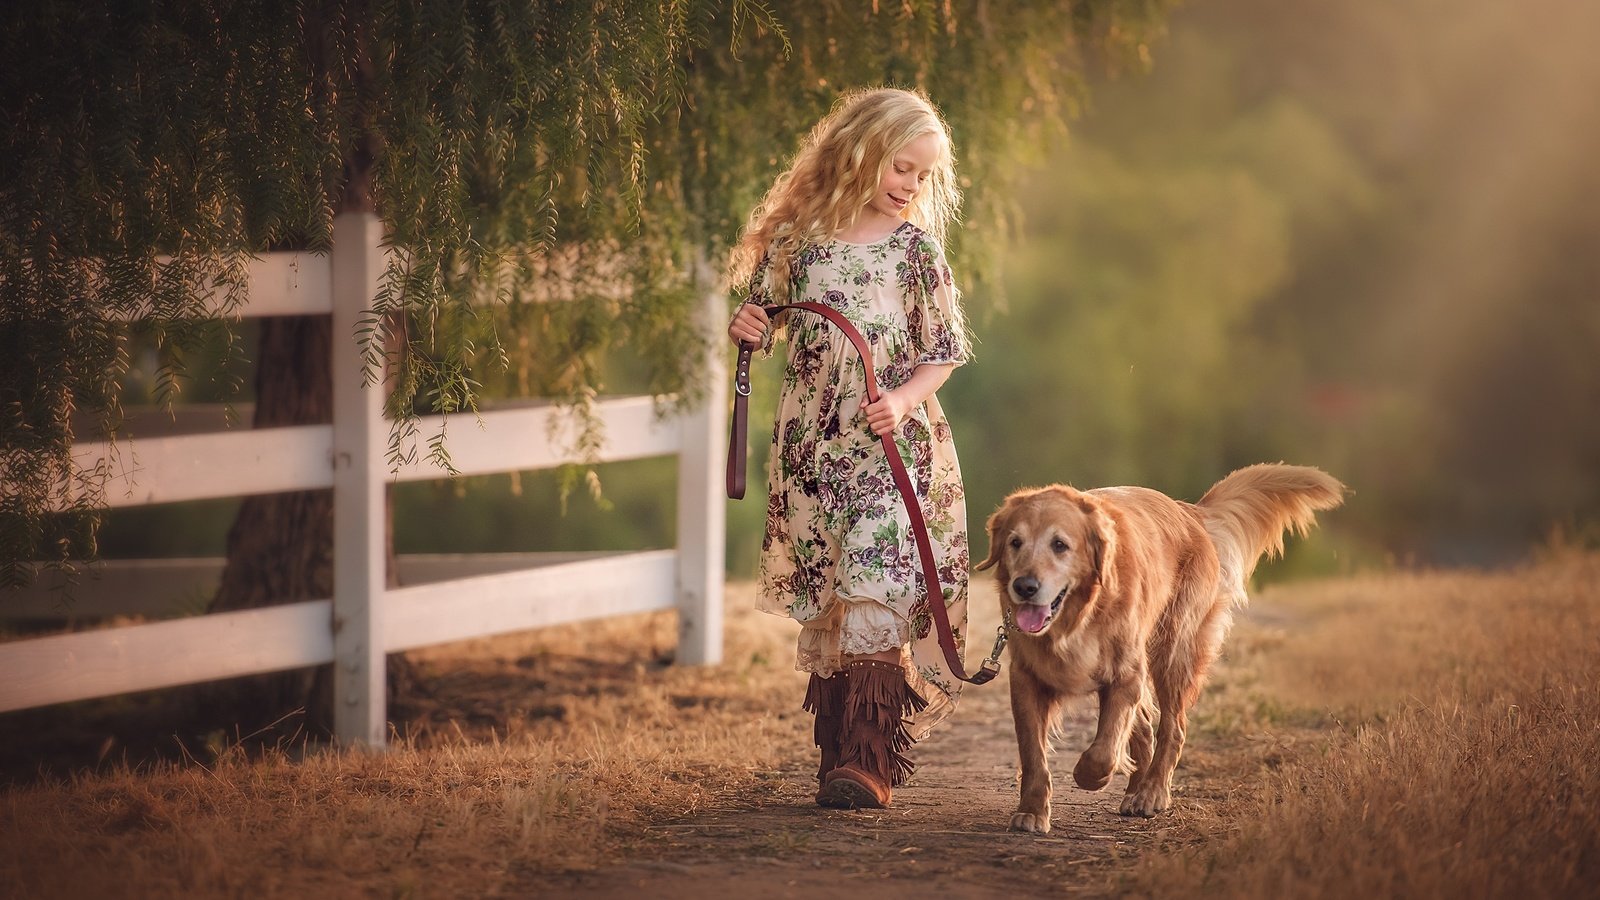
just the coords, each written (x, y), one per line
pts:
(548, 174)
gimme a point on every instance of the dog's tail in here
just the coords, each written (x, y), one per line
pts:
(1248, 512)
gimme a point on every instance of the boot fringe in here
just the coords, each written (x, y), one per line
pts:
(813, 694)
(825, 699)
(880, 699)
(825, 696)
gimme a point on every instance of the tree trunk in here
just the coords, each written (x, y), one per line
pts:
(280, 548)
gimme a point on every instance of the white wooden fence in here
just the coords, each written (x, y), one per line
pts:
(364, 619)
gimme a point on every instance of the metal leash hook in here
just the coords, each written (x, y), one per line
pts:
(992, 664)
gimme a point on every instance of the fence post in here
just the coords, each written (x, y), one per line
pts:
(359, 716)
(702, 514)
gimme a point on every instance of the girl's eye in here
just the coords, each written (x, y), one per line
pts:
(1016, 543)
(1058, 545)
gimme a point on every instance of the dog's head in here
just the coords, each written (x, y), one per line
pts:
(1054, 549)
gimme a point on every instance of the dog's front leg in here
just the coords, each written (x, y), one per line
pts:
(1118, 702)
(1033, 707)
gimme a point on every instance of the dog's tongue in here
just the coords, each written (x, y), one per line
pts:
(1031, 617)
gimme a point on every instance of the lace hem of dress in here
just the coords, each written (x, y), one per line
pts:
(860, 642)
(824, 665)
(824, 652)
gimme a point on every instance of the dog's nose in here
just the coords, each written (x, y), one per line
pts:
(1025, 587)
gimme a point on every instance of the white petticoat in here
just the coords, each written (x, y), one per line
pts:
(851, 627)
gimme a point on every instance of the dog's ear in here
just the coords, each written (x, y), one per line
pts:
(997, 522)
(1103, 544)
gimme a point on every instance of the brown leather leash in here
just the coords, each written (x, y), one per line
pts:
(737, 437)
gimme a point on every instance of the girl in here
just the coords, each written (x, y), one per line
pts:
(857, 223)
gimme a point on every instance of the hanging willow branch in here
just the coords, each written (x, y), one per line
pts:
(546, 171)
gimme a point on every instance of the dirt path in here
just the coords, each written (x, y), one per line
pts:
(752, 832)
(948, 827)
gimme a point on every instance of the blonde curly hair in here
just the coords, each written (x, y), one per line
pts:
(835, 174)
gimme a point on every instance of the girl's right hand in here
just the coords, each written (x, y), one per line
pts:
(749, 325)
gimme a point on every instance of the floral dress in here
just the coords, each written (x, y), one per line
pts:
(838, 555)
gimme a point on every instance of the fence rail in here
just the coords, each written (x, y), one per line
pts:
(69, 667)
(364, 619)
(295, 458)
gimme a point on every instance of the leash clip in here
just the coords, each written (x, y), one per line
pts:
(1000, 638)
(992, 664)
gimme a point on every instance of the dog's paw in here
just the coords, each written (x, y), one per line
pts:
(1035, 823)
(1092, 772)
(1147, 801)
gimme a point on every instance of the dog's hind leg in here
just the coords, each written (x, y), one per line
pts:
(1034, 707)
(1141, 741)
(1180, 666)
(1154, 792)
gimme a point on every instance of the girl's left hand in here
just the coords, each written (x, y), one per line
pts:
(884, 416)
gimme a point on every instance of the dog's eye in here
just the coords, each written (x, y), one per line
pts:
(1058, 545)
(1016, 542)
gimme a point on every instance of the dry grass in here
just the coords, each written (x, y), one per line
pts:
(595, 748)
(1404, 735)
(1413, 735)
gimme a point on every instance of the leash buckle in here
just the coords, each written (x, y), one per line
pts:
(741, 369)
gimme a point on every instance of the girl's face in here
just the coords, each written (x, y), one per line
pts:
(905, 175)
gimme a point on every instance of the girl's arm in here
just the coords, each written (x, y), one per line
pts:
(893, 406)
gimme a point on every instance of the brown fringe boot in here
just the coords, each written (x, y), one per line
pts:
(825, 699)
(872, 757)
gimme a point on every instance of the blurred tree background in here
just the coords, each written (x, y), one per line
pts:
(1361, 236)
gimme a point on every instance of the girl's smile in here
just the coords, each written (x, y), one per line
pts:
(904, 175)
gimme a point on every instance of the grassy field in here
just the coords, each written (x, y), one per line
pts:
(1411, 734)
(1407, 735)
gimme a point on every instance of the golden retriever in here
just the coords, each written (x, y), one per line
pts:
(1128, 594)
